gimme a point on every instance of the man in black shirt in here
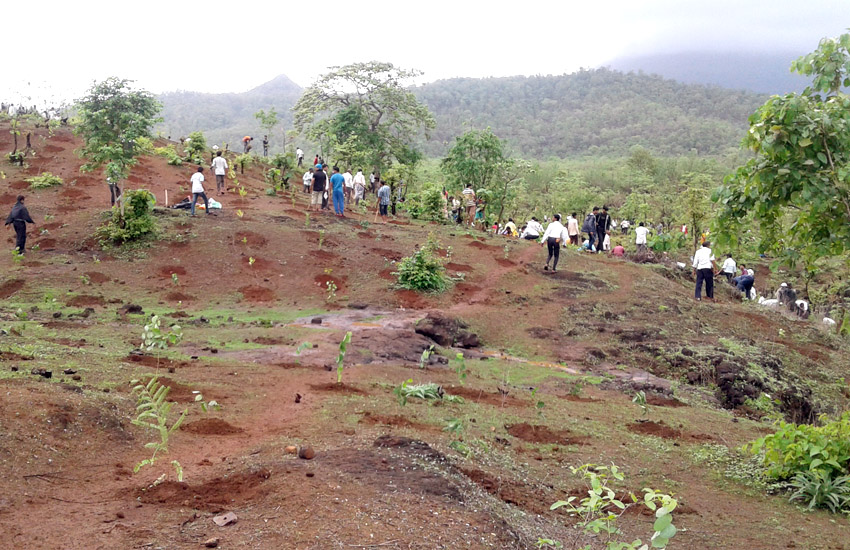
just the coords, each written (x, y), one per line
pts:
(19, 218)
(603, 226)
(319, 180)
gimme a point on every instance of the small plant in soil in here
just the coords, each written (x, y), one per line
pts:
(239, 213)
(153, 412)
(576, 389)
(539, 404)
(507, 251)
(422, 272)
(332, 288)
(429, 391)
(17, 256)
(251, 261)
(84, 279)
(321, 238)
(35, 248)
(244, 240)
(460, 367)
(242, 192)
(174, 279)
(426, 356)
(307, 220)
(155, 339)
(301, 347)
(640, 399)
(343, 346)
(548, 544)
(45, 181)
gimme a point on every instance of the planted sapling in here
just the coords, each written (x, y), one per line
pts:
(343, 346)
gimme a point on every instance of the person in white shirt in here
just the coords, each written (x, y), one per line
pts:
(299, 154)
(219, 168)
(198, 190)
(729, 268)
(533, 229)
(572, 229)
(624, 226)
(640, 238)
(555, 234)
(348, 185)
(359, 186)
(307, 178)
(705, 268)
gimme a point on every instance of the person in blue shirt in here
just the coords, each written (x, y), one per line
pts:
(337, 181)
(383, 199)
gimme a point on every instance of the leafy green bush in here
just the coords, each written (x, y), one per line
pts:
(196, 147)
(45, 181)
(428, 204)
(170, 154)
(667, 242)
(802, 448)
(137, 222)
(422, 272)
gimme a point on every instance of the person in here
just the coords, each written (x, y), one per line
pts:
(469, 197)
(18, 218)
(624, 227)
(338, 181)
(705, 268)
(745, 281)
(510, 228)
(319, 181)
(640, 238)
(589, 225)
(299, 154)
(606, 244)
(349, 184)
(359, 186)
(480, 208)
(533, 230)
(198, 190)
(316, 160)
(618, 251)
(246, 143)
(114, 190)
(307, 178)
(555, 234)
(729, 268)
(603, 227)
(265, 146)
(787, 296)
(373, 180)
(326, 194)
(572, 229)
(383, 199)
(219, 168)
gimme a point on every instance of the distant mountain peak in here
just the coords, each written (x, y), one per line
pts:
(278, 84)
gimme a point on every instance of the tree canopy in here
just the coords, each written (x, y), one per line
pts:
(112, 116)
(363, 110)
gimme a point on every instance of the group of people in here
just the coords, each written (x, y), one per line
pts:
(341, 188)
(706, 271)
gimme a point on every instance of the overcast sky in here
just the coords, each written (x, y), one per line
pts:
(217, 46)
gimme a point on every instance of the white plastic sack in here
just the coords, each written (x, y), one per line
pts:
(214, 204)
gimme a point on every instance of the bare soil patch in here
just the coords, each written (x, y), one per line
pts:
(544, 434)
(661, 401)
(97, 277)
(396, 421)
(214, 495)
(463, 268)
(481, 246)
(10, 287)
(323, 255)
(165, 271)
(481, 396)
(176, 296)
(510, 492)
(323, 279)
(211, 426)
(253, 293)
(337, 388)
(251, 238)
(86, 300)
(505, 262)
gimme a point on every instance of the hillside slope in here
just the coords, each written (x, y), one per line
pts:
(549, 387)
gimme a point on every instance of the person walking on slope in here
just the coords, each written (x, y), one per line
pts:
(383, 199)
(18, 218)
(589, 227)
(640, 238)
(572, 229)
(705, 267)
(603, 228)
(319, 181)
(307, 178)
(469, 196)
(359, 186)
(555, 234)
(219, 168)
(299, 154)
(338, 181)
(198, 190)
(349, 184)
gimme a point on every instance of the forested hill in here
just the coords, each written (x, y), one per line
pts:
(591, 112)
(601, 112)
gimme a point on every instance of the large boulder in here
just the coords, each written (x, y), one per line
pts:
(447, 332)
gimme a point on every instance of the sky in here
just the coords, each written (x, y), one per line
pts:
(218, 46)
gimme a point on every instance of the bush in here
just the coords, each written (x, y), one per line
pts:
(169, 153)
(196, 148)
(428, 204)
(818, 489)
(45, 181)
(137, 223)
(667, 242)
(422, 272)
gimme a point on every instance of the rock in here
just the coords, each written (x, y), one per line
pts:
(310, 474)
(69, 371)
(42, 372)
(57, 314)
(298, 398)
(316, 321)
(225, 519)
(447, 331)
(14, 369)
(306, 452)
(211, 543)
(357, 305)
(131, 309)
(76, 377)
(291, 449)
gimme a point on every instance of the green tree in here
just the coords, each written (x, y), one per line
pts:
(797, 187)
(474, 158)
(363, 107)
(196, 148)
(112, 116)
(694, 204)
(268, 120)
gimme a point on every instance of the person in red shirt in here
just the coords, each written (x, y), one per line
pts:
(246, 143)
(618, 251)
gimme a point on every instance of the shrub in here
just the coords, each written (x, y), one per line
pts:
(667, 242)
(818, 489)
(169, 153)
(422, 272)
(137, 222)
(428, 204)
(196, 147)
(45, 181)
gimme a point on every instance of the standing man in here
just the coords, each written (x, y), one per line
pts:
(589, 227)
(198, 190)
(603, 227)
(307, 178)
(372, 182)
(640, 238)
(338, 181)
(705, 268)
(555, 234)
(326, 194)
(265, 146)
(349, 184)
(319, 181)
(299, 154)
(383, 199)
(624, 226)
(730, 268)
(19, 217)
(219, 167)
(114, 190)
(572, 229)
(359, 186)
(469, 197)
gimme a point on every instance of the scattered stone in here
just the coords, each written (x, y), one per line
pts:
(291, 449)
(316, 321)
(306, 452)
(310, 474)
(105, 390)
(171, 370)
(42, 372)
(57, 314)
(446, 331)
(14, 369)
(298, 398)
(69, 371)
(131, 309)
(211, 543)
(77, 377)
(357, 305)
(225, 519)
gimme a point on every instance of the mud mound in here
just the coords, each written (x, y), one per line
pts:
(271, 341)
(395, 421)
(447, 331)
(177, 296)
(337, 388)
(387, 253)
(165, 271)
(544, 434)
(257, 294)
(8, 198)
(451, 266)
(510, 492)
(151, 361)
(481, 246)
(85, 300)
(211, 426)
(46, 243)
(362, 234)
(504, 262)
(661, 401)
(251, 238)
(260, 264)
(411, 299)
(10, 287)
(543, 333)
(213, 496)
(323, 279)
(387, 274)
(481, 396)
(658, 429)
(71, 193)
(323, 255)
(52, 148)
(97, 277)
